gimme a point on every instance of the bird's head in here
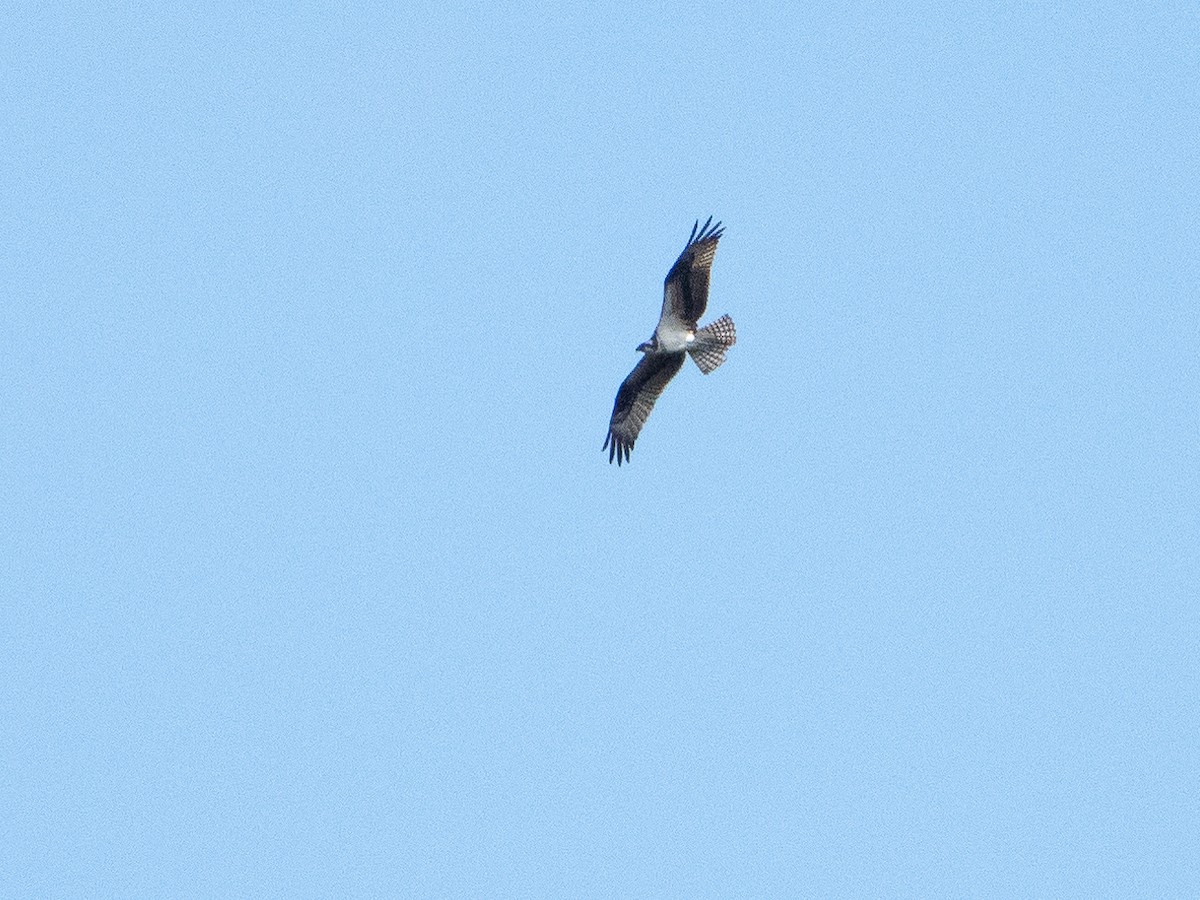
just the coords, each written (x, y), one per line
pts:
(649, 346)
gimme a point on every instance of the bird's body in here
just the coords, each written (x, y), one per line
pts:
(685, 296)
(672, 336)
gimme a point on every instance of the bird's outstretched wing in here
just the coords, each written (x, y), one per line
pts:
(636, 398)
(685, 292)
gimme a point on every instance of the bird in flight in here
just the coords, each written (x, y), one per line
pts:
(685, 294)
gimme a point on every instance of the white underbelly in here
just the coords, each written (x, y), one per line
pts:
(672, 340)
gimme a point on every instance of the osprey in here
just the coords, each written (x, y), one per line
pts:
(685, 294)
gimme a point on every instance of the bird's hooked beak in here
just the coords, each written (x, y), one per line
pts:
(645, 346)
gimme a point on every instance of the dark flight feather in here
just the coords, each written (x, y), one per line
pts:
(636, 398)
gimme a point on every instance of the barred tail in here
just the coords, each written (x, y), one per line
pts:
(708, 350)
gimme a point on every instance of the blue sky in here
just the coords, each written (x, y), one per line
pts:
(319, 583)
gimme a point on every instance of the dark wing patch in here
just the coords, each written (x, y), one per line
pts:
(685, 291)
(636, 398)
